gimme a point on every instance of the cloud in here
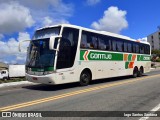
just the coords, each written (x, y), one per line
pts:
(18, 15)
(49, 6)
(93, 2)
(14, 17)
(9, 50)
(1, 36)
(143, 39)
(49, 21)
(113, 20)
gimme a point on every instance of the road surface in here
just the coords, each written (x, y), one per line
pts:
(124, 94)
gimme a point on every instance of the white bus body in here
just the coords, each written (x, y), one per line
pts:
(68, 53)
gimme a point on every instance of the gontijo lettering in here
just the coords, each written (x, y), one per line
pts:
(146, 58)
(100, 56)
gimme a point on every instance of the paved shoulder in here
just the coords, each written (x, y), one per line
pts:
(15, 84)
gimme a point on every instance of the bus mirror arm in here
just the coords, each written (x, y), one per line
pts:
(19, 47)
(52, 42)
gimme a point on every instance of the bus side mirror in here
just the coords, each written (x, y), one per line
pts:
(20, 43)
(52, 42)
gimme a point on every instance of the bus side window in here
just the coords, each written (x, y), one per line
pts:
(110, 45)
(101, 44)
(84, 41)
(147, 49)
(137, 48)
(93, 43)
(129, 47)
(114, 46)
(119, 46)
(125, 47)
(142, 49)
(134, 48)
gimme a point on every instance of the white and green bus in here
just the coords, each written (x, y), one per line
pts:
(67, 53)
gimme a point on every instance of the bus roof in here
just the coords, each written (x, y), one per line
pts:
(96, 31)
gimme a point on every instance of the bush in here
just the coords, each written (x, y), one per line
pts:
(157, 52)
(158, 60)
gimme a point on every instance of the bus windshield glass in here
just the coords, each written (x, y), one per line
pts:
(39, 54)
(46, 33)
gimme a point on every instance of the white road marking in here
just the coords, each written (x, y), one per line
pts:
(151, 111)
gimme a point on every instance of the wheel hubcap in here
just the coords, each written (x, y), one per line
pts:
(85, 78)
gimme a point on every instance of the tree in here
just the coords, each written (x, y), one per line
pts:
(157, 52)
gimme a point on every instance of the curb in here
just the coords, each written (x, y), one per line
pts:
(15, 84)
(155, 69)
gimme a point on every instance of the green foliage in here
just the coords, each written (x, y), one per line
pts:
(155, 56)
(158, 60)
(157, 52)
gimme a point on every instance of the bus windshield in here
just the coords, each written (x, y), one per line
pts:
(39, 54)
(46, 33)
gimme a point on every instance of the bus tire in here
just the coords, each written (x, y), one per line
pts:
(85, 78)
(140, 72)
(135, 72)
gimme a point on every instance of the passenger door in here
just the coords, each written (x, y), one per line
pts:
(67, 48)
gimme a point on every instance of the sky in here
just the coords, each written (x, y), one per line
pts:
(20, 18)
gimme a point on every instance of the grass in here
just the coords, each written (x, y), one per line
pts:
(12, 80)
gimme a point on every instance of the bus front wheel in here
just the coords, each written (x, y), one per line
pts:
(85, 78)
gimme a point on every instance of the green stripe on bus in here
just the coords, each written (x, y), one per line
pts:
(94, 55)
(130, 57)
(143, 58)
(109, 56)
(126, 65)
(81, 54)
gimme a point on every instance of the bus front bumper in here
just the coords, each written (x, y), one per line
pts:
(45, 79)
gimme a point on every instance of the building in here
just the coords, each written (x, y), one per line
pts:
(154, 40)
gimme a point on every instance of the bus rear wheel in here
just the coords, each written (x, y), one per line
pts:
(140, 72)
(135, 72)
(85, 78)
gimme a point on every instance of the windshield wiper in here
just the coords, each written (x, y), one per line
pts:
(34, 57)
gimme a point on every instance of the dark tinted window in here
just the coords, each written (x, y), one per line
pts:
(120, 46)
(67, 48)
(142, 49)
(89, 40)
(137, 48)
(147, 49)
(114, 45)
(134, 48)
(102, 42)
(125, 47)
(129, 47)
(84, 41)
(93, 42)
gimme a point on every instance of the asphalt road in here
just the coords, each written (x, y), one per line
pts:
(124, 94)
